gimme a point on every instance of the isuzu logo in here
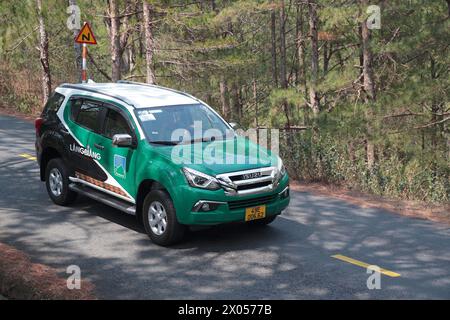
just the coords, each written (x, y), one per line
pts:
(252, 175)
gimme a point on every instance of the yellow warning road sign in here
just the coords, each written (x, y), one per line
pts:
(86, 35)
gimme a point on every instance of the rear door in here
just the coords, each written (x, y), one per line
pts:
(83, 121)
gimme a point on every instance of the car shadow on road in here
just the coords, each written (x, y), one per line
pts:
(289, 259)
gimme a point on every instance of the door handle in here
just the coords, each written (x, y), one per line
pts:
(99, 146)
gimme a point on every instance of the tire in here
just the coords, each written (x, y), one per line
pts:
(57, 183)
(160, 219)
(262, 222)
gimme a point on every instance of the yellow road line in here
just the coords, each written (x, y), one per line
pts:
(365, 265)
(28, 156)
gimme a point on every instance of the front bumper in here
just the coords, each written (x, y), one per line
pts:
(275, 202)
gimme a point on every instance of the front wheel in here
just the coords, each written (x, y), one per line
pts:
(160, 220)
(57, 182)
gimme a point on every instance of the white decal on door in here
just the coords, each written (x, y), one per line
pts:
(88, 152)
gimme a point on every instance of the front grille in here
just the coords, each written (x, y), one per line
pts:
(257, 174)
(248, 182)
(254, 185)
(239, 204)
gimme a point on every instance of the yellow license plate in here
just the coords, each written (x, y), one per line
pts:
(254, 213)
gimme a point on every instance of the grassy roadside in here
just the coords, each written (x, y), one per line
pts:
(20, 278)
(13, 112)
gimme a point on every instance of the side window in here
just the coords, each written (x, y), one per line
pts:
(53, 104)
(75, 106)
(88, 115)
(115, 123)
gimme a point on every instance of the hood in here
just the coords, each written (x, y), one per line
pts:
(219, 156)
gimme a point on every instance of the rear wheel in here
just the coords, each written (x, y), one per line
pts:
(160, 220)
(262, 222)
(57, 183)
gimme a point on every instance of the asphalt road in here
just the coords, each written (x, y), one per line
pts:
(290, 259)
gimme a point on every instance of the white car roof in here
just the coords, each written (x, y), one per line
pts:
(138, 95)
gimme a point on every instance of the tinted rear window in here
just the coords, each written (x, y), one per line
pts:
(88, 115)
(75, 106)
(53, 104)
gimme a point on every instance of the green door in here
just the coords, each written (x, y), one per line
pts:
(117, 161)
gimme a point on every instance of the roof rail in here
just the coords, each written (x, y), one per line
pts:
(158, 87)
(82, 87)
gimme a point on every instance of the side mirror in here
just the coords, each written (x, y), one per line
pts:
(122, 140)
(234, 125)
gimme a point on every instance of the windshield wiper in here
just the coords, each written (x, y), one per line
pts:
(199, 140)
(204, 139)
(166, 142)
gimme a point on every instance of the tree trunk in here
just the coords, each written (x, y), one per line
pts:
(149, 44)
(124, 36)
(115, 40)
(223, 98)
(235, 103)
(300, 56)
(361, 58)
(369, 87)
(76, 46)
(300, 53)
(327, 51)
(132, 54)
(141, 34)
(313, 97)
(434, 130)
(273, 50)
(283, 78)
(255, 100)
(446, 131)
(370, 153)
(43, 49)
(134, 34)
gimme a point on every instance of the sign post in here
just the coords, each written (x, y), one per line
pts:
(85, 37)
(83, 64)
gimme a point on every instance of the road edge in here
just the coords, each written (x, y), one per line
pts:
(16, 114)
(413, 209)
(21, 279)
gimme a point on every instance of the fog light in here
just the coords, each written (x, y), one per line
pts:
(205, 206)
(284, 193)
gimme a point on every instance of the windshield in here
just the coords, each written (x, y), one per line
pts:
(182, 124)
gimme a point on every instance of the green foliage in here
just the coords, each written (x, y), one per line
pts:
(202, 44)
(291, 96)
(329, 162)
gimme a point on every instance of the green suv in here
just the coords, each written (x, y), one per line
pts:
(156, 153)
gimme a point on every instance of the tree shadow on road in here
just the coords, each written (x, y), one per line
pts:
(290, 259)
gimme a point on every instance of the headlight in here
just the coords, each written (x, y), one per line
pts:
(281, 167)
(198, 179)
(281, 171)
